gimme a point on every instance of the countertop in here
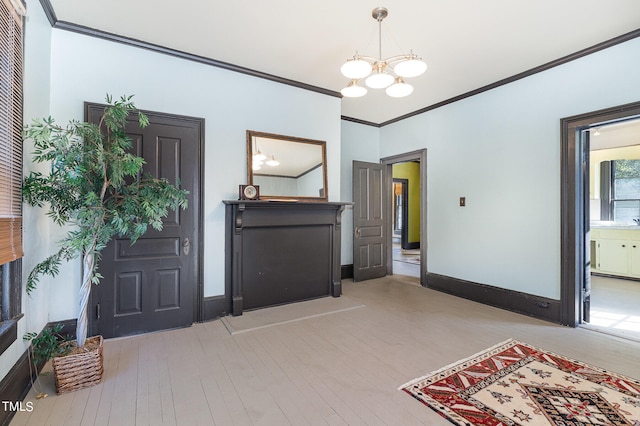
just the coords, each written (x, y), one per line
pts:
(614, 225)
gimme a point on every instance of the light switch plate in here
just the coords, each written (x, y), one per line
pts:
(463, 201)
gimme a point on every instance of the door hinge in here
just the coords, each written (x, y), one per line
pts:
(98, 311)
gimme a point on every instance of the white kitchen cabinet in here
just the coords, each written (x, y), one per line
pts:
(617, 251)
(635, 258)
(614, 256)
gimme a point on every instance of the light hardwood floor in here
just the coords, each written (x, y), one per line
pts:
(338, 369)
(615, 306)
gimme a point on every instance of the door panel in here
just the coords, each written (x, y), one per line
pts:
(153, 284)
(369, 251)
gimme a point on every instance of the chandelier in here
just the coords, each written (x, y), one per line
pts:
(381, 73)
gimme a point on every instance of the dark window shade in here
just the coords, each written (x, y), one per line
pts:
(11, 66)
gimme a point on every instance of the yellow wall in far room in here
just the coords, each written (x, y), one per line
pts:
(411, 171)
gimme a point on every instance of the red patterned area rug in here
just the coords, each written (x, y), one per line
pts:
(514, 383)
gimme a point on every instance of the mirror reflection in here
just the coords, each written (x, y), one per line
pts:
(287, 167)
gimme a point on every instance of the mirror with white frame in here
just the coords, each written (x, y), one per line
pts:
(287, 167)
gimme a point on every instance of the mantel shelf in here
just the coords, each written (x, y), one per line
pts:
(289, 202)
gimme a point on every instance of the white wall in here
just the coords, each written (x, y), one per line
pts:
(501, 150)
(86, 68)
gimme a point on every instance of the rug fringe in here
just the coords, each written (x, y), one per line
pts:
(497, 345)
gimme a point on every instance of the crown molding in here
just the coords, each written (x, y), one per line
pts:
(92, 32)
(358, 121)
(68, 26)
(49, 12)
(544, 67)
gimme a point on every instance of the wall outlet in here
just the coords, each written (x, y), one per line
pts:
(463, 201)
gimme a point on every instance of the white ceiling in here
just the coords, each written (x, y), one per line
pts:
(615, 135)
(295, 159)
(467, 44)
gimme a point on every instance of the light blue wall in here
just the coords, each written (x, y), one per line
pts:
(362, 144)
(310, 184)
(501, 150)
(85, 69)
(285, 187)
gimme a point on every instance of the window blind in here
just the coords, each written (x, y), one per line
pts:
(11, 67)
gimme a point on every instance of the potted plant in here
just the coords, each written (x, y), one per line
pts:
(96, 187)
(46, 345)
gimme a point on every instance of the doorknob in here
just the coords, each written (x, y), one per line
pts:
(186, 245)
(357, 232)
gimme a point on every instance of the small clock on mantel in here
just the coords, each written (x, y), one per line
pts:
(249, 192)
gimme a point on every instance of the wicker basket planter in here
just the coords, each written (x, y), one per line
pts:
(81, 368)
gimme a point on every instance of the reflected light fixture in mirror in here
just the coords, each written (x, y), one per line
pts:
(293, 168)
(272, 162)
(259, 158)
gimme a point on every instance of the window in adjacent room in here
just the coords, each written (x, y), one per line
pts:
(625, 190)
(11, 95)
(620, 190)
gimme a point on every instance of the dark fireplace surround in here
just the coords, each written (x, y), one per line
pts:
(280, 252)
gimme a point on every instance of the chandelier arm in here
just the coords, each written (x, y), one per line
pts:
(398, 58)
(368, 58)
(388, 61)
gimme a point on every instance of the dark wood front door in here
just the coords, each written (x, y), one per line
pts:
(154, 284)
(369, 240)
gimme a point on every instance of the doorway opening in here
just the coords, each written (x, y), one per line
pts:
(405, 200)
(400, 212)
(406, 218)
(598, 222)
(614, 216)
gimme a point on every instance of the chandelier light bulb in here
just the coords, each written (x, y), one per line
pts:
(259, 157)
(256, 166)
(353, 90)
(379, 80)
(356, 68)
(399, 89)
(411, 67)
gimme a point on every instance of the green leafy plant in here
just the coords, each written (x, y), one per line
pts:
(96, 186)
(47, 345)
